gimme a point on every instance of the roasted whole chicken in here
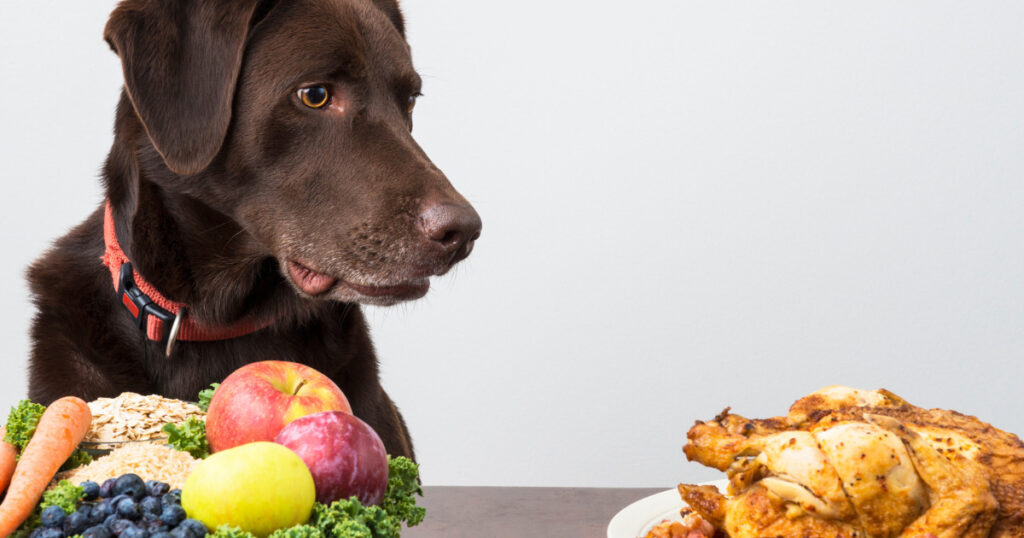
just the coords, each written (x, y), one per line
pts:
(848, 463)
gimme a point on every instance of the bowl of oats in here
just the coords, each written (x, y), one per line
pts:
(131, 419)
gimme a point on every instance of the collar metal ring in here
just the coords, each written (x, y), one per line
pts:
(175, 328)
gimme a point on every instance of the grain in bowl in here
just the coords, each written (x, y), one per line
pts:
(132, 417)
(149, 461)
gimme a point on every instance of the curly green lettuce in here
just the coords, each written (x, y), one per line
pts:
(22, 422)
(206, 395)
(65, 495)
(77, 459)
(227, 531)
(189, 436)
(298, 531)
(348, 518)
(403, 487)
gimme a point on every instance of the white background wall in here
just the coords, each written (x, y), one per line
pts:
(687, 205)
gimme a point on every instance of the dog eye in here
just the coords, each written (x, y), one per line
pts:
(412, 103)
(314, 96)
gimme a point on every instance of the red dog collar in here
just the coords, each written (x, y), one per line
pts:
(163, 320)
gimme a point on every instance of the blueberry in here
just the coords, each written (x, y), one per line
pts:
(36, 532)
(161, 534)
(128, 509)
(86, 510)
(172, 497)
(99, 512)
(109, 521)
(107, 489)
(106, 506)
(117, 499)
(157, 488)
(151, 505)
(53, 516)
(172, 515)
(130, 484)
(194, 527)
(119, 526)
(92, 490)
(134, 532)
(181, 532)
(76, 523)
(97, 531)
(51, 533)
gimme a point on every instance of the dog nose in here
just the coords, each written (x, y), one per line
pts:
(453, 226)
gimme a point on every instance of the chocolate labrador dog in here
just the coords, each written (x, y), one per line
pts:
(263, 182)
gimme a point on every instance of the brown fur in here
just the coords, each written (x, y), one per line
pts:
(219, 176)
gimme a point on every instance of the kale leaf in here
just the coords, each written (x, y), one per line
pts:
(403, 485)
(298, 531)
(206, 395)
(22, 422)
(65, 495)
(227, 531)
(189, 436)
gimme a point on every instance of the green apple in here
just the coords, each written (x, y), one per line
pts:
(259, 487)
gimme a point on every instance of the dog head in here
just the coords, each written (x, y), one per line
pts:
(294, 118)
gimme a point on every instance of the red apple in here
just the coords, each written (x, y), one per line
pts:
(258, 399)
(344, 454)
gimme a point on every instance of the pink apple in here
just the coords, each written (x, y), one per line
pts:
(258, 399)
(344, 454)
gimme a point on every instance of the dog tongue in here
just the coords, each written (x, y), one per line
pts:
(308, 280)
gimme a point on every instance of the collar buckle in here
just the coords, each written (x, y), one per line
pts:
(140, 305)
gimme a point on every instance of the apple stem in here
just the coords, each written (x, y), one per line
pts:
(299, 386)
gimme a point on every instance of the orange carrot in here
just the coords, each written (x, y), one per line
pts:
(8, 457)
(61, 428)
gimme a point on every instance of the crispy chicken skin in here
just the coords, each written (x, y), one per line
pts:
(759, 513)
(691, 526)
(859, 464)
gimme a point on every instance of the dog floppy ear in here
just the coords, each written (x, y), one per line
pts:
(181, 60)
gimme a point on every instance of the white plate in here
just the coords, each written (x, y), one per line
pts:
(637, 519)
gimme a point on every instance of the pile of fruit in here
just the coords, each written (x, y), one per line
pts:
(281, 429)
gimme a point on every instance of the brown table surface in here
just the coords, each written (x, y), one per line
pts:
(492, 512)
